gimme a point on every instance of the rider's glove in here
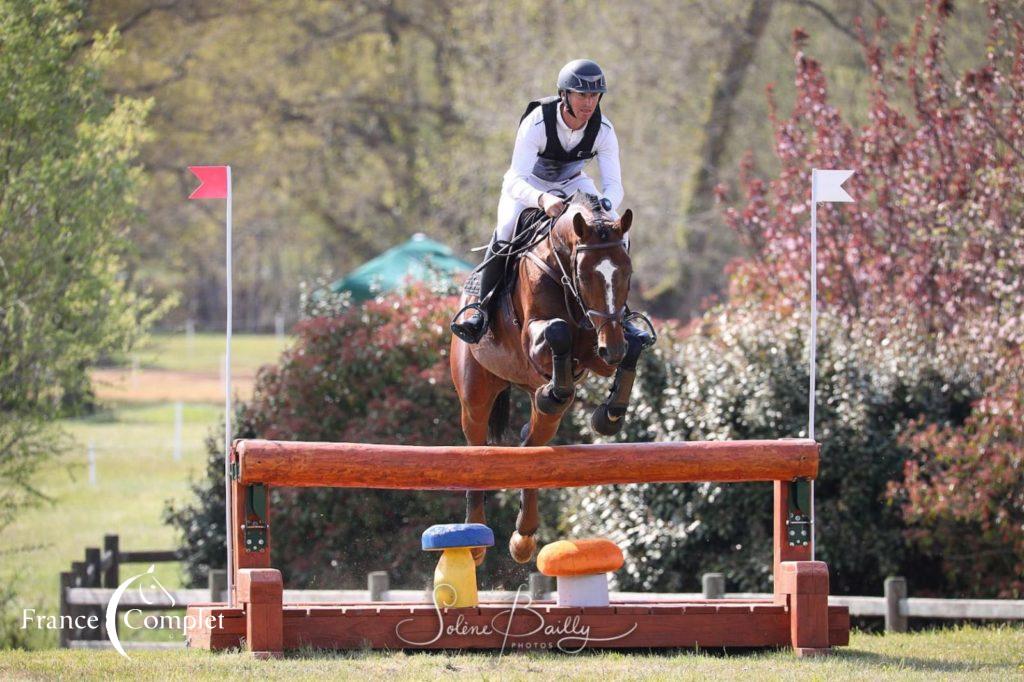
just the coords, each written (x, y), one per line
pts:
(551, 204)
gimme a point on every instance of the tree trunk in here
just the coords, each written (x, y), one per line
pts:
(692, 278)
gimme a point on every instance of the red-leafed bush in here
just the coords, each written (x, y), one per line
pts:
(376, 373)
(965, 493)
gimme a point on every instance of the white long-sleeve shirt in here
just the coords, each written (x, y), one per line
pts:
(522, 185)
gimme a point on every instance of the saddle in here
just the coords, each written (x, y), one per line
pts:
(529, 220)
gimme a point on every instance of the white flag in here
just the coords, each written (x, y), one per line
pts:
(827, 185)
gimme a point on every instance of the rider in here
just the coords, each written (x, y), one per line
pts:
(556, 137)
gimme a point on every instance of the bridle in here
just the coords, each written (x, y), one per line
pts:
(571, 285)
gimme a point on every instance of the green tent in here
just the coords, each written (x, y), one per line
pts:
(420, 259)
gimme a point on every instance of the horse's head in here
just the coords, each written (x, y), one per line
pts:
(602, 270)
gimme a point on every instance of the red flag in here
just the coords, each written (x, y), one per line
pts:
(213, 182)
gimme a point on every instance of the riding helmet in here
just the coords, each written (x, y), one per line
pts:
(581, 75)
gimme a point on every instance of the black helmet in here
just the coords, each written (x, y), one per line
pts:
(581, 75)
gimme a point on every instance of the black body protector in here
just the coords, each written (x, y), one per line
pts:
(555, 163)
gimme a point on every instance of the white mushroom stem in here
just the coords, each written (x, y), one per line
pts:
(583, 590)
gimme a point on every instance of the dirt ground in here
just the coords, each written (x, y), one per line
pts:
(163, 385)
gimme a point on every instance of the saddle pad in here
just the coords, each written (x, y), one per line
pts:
(527, 219)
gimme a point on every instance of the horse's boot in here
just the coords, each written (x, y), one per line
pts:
(473, 328)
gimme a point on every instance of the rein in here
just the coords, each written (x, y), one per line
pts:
(571, 285)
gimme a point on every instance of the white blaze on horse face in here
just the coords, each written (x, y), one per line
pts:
(607, 268)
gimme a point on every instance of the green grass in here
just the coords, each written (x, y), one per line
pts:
(136, 475)
(205, 351)
(962, 653)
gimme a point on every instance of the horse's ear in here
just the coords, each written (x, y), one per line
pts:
(626, 220)
(579, 225)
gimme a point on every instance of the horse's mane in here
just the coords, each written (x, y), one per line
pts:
(592, 203)
(595, 214)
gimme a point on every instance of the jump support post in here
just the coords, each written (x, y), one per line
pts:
(798, 615)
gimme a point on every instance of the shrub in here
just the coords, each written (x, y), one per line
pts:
(963, 493)
(935, 230)
(377, 373)
(741, 374)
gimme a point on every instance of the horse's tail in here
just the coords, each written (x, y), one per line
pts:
(497, 423)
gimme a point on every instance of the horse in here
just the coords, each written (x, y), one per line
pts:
(564, 315)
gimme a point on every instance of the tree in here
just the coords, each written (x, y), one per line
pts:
(935, 232)
(67, 197)
(685, 285)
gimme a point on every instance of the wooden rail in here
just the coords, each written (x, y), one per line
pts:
(100, 569)
(408, 467)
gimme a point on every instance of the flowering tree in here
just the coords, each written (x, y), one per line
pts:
(935, 232)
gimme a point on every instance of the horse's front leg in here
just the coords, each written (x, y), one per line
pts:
(555, 336)
(539, 431)
(550, 402)
(607, 418)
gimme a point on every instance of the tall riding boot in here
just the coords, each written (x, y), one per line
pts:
(472, 329)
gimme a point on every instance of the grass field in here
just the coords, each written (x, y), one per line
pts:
(963, 653)
(136, 473)
(204, 351)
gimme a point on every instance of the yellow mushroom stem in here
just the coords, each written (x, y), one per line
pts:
(455, 579)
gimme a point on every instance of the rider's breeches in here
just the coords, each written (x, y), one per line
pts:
(509, 209)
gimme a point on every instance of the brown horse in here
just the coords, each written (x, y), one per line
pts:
(564, 317)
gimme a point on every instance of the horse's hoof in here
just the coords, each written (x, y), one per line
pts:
(522, 547)
(548, 404)
(604, 423)
(478, 554)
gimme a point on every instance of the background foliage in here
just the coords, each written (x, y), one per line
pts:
(374, 374)
(919, 352)
(351, 126)
(68, 185)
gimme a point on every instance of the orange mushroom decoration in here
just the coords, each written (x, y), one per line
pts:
(581, 568)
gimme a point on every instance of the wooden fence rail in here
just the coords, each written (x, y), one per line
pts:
(100, 569)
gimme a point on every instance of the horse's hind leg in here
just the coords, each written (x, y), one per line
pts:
(522, 544)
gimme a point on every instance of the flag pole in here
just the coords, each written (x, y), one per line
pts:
(813, 340)
(229, 531)
(813, 344)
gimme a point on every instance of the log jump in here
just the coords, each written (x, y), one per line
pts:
(410, 467)
(259, 621)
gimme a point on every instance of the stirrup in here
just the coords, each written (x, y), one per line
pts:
(462, 333)
(647, 338)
